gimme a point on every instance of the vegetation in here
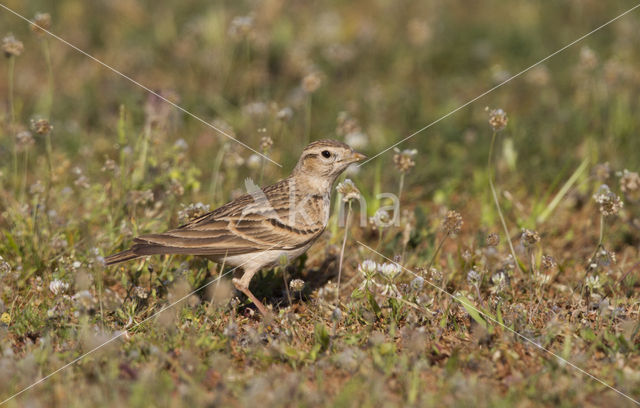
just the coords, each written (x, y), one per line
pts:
(441, 308)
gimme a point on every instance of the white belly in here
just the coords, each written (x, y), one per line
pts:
(259, 260)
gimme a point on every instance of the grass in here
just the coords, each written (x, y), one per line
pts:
(119, 162)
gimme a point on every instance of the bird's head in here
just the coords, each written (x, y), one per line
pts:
(326, 160)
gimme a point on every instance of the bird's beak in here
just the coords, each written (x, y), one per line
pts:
(356, 157)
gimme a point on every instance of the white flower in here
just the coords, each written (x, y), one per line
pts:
(593, 282)
(368, 268)
(473, 277)
(542, 278)
(254, 161)
(381, 219)
(417, 283)
(356, 139)
(348, 190)
(390, 271)
(390, 290)
(57, 287)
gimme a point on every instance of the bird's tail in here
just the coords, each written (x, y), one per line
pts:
(121, 257)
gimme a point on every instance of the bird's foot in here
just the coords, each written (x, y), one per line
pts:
(242, 288)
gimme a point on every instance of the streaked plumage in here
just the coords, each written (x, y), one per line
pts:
(256, 229)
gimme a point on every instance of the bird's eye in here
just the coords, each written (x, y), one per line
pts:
(326, 154)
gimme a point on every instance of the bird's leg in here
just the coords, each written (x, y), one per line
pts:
(242, 285)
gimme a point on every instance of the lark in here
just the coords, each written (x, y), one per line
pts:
(257, 229)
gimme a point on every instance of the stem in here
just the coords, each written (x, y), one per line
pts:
(344, 244)
(216, 171)
(138, 175)
(47, 57)
(262, 160)
(531, 261)
(497, 203)
(49, 148)
(12, 64)
(600, 239)
(433, 258)
(381, 233)
(23, 189)
(400, 186)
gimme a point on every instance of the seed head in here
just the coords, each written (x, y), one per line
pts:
(609, 202)
(265, 143)
(141, 292)
(24, 140)
(417, 283)
(296, 285)
(602, 171)
(548, 263)
(497, 119)
(588, 58)
(285, 114)
(36, 188)
(404, 159)
(629, 181)
(41, 126)
(452, 223)
(311, 82)
(473, 277)
(11, 46)
(603, 258)
(381, 219)
(241, 27)
(493, 239)
(348, 190)
(42, 21)
(141, 197)
(111, 166)
(529, 238)
(176, 188)
(347, 124)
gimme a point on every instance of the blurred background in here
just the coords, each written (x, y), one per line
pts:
(390, 66)
(88, 160)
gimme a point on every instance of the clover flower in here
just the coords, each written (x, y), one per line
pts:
(11, 46)
(609, 203)
(348, 190)
(403, 159)
(452, 223)
(57, 287)
(497, 119)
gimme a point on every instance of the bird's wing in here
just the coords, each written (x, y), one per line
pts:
(247, 224)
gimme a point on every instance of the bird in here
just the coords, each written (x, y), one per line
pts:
(257, 229)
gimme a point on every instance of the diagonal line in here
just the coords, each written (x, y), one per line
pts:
(139, 84)
(489, 317)
(500, 84)
(43, 379)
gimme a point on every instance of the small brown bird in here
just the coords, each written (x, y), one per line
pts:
(256, 229)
